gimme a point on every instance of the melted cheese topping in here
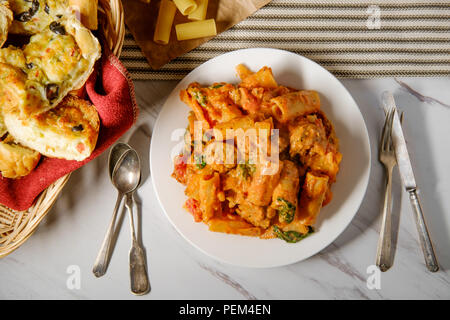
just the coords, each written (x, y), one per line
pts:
(68, 131)
(56, 61)
(58, 56)
(47, 12)
(6, 18)
(13, 56)
(17, 91)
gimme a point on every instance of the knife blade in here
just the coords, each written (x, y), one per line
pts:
(409, 183)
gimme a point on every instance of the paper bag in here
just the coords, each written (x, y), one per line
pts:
(141, 20)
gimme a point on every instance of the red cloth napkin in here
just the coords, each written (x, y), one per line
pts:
(112, 92)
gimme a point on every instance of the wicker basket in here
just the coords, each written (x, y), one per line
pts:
(17, 226)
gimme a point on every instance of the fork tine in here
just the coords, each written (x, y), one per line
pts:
(385, 132)
(389, 143)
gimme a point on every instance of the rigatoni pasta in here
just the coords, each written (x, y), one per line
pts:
(284, 197)
(242, 196)
(314, 189)
(194, 10)
(261, 187)
(294, 104)
(186, 6)
(261, 79)
(164, 22)
(196, 29)
(200, 12)
(209, 202)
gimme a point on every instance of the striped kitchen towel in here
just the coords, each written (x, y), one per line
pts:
(350, 38)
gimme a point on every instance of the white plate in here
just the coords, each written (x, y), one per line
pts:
(290, 70)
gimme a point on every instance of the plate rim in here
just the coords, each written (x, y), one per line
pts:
(331, 240)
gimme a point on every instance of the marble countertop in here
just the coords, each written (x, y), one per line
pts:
(56, 262)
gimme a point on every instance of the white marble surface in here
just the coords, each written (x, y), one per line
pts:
(72, 232)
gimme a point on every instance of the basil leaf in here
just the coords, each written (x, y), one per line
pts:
(199, 161)
(201, 98)
(286, 210)
(291, 236)
(246, 169)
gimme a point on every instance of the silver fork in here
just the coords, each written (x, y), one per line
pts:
(387, 158)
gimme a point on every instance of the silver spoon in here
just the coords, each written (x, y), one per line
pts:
(128, 175)
(124, 170)
(114, 155)
(101, 263)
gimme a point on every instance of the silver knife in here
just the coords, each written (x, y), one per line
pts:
(409, 182)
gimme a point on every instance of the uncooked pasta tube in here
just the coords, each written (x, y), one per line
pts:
(196, 29)
(185, 6)
(164, 22)
(200, 12)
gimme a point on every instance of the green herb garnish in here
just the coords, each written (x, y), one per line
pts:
(286, 210)
(292, 236)
(217, 86)
(199, 161)
(201, 98)
(246, 169)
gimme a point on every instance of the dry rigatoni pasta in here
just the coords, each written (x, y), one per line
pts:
(196, 29)
(164, 22)
(186, 6)
(200, 12)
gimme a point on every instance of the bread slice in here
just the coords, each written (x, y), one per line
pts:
(6, 17)
(57, 60)
(68, 131)
(31, 16)
(16, 160)
(3, 129)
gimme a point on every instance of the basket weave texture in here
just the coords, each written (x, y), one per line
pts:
(17, 226)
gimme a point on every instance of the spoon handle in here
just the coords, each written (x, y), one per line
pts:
(102, 261)
(138, 270)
